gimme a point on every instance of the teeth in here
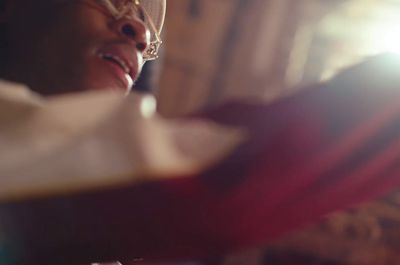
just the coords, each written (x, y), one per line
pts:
(130, 81)
(116, 59)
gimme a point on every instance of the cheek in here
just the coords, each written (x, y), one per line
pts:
(79, 30)
(89, 25)
(80, 33)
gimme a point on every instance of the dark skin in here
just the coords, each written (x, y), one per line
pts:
(56, 46)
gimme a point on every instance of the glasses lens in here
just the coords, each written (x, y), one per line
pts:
(120, 4)
(132, 8)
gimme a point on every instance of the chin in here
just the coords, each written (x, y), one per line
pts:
(106, 85)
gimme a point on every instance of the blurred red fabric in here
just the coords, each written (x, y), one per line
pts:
(327, 148)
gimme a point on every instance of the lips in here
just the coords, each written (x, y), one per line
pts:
(117, 60)
(125, 61)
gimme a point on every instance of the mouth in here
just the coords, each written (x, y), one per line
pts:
(116, 60)
(125, 70)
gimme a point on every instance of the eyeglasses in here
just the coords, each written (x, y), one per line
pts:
(129, 8)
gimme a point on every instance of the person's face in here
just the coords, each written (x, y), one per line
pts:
(73, 45)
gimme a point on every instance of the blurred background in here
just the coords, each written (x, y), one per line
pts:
(219, 50)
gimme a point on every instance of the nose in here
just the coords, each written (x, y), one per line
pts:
(133, 29)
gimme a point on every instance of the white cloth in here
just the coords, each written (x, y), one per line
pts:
(95, 140)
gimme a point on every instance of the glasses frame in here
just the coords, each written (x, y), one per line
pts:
(131, 7)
